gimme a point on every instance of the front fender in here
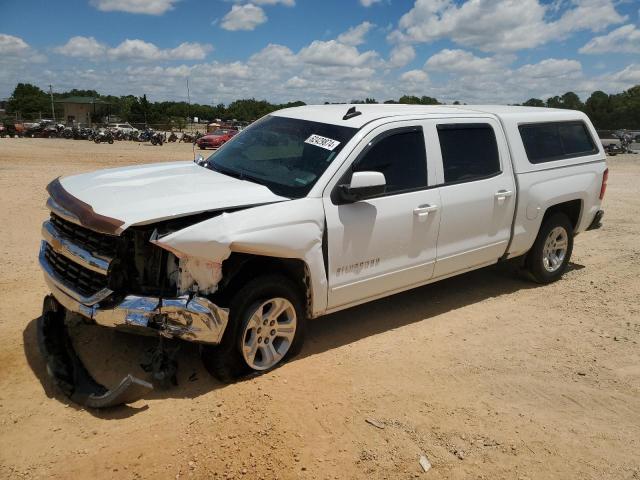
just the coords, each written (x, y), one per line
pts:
(292, 229)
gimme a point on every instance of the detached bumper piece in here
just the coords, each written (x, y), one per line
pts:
(597, 221)
(69, 373)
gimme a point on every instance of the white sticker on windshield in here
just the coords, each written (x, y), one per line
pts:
(322, 142)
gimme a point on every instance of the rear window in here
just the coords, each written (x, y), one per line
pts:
(469, 151)
(545, 142)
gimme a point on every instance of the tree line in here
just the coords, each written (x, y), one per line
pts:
(607, 111)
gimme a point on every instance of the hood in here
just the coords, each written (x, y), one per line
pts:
(149, 193)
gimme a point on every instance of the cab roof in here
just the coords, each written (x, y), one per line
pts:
(335, 114)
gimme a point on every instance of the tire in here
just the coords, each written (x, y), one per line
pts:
(226, 361)
(544, 263)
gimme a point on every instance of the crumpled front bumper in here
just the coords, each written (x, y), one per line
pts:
(195, 318)
(189, 318)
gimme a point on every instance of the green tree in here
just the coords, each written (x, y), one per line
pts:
(428, 101)
(534, 102)
(29, 102)
(409, 100)
(598, 108)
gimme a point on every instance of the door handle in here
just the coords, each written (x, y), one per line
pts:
(424, 210)
(502, 194)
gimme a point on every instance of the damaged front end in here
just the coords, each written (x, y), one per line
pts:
(120, 280)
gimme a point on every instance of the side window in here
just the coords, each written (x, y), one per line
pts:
(469, 151)
(401, 157)
(545, 142)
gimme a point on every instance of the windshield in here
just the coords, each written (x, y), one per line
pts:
(284, 154)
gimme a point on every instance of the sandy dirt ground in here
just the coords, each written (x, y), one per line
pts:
(486, 374)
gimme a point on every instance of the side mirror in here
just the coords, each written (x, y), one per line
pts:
(363, 185)
(199, 160)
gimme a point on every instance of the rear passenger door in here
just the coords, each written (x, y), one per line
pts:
(477, 193)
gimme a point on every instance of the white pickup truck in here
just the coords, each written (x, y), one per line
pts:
(309, 211)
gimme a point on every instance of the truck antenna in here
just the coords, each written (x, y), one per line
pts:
(352, 112)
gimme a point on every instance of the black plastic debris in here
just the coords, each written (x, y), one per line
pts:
(69, 373)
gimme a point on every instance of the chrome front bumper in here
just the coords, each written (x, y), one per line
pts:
(195, 319)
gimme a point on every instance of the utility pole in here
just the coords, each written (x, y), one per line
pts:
(53, 112)
(188, 102)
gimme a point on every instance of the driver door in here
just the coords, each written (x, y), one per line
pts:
(386, 243)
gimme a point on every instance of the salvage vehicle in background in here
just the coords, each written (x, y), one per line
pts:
(216, 138)
(610, 142)
(123, 127)
(309, 211)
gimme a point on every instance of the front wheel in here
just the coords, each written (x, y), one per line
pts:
(549, 257)
(266, 327)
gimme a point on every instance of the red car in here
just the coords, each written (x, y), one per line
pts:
(216, 139)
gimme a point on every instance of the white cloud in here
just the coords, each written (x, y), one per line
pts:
(15, 53)
(335, 53)
(460, 61)
(415, 76)
(243, 17)
(355, 35)
(493, 25)
(89, 47)
(286, 3)
(625, 39)
(474, 79)
(551, 68)
(148, 7)
(368, 3)
(278, 56)
(621, 80)
(141, 50)
(296, 82)
(10, 45)
(401, 55)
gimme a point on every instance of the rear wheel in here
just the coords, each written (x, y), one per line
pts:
(266, 327)
(549, 257)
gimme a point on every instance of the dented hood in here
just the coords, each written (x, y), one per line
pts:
(145, 194)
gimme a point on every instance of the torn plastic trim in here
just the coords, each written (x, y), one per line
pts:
(69, 373)
(193, 274)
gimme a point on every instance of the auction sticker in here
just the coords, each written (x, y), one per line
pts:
(322, 142)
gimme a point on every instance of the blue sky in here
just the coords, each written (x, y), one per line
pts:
(474, 51)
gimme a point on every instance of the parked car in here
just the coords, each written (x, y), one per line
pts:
(123, 127)
(309, 211)
(216, 139)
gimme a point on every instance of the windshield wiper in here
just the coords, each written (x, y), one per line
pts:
(238, 175)
(226, 171)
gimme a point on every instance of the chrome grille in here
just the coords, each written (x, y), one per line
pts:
(97, 243)
(82, 280)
